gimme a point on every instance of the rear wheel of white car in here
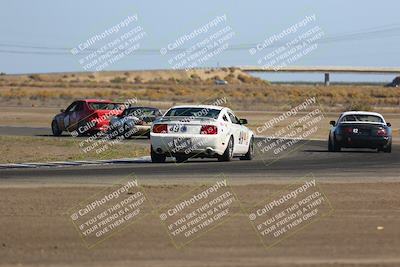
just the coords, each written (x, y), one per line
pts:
(55, 129)
(181, 158)
(250, 153)
(157, 158)
(228, 154)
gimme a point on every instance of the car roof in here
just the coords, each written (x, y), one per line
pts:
(200, 106)
(361, 113)
(96, 100)
(143, 107)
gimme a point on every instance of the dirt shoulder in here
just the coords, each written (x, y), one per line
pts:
(36, 231)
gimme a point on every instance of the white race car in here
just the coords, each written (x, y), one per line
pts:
(200, 131)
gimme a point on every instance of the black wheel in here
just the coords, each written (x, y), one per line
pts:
(157, 158)
(388, 148)
(333, 146)
(228, 154)
(336, 147)
(330, 145)
(181, 158)
(250, 153)
(55, 129)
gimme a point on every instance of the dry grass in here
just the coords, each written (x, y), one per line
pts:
(18, 149)
(244, 91)
(250, 95)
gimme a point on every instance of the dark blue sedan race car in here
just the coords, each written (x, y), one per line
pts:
(360, 129)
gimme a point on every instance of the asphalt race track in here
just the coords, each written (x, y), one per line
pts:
(25, 131)
(362, 229)
(310, 157)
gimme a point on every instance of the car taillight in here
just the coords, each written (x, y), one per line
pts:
(381, 132)
(348, 130)
(209, 129)
(160, 128)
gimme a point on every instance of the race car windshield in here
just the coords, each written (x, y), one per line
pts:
(103, 106)
(362, 118)
(193, 112)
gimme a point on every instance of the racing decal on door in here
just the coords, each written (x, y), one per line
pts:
(243, 136)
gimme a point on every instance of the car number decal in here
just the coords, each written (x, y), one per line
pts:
(178, 128)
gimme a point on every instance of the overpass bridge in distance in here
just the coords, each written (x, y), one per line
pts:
(324, 69)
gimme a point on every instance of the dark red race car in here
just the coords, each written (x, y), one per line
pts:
(85, 117)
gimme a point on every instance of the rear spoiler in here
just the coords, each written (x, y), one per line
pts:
(184, 119)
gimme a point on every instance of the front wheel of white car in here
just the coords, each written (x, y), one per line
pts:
(250, 153)
(228, 153)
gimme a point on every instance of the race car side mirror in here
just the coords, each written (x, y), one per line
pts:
(243, 121)
(389, 124)
(62, 110)
(332, 123)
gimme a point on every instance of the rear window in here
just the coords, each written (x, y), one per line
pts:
(362, 118)
(103, 106)
(193, 112)
(141, 112)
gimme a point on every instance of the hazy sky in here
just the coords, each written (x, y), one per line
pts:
(37, 35)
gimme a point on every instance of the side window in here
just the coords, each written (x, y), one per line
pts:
(237, 119)
(79, 106)
(233, 118)
(71, 107)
